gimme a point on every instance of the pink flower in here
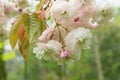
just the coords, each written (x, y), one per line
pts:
(52, 34)
(82, 17)
(45, 37)
(47, 51)
(80, 38)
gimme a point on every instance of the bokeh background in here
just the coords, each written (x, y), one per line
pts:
(100, 62)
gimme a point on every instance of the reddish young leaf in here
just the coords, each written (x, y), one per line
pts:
(24, 44)
(21, 33)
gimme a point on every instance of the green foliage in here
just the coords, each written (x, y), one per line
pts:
(34, 26)
(2, 64)
(8, 56)
(110, 49)
(1, 45)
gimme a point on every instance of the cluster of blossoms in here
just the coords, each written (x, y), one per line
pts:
(87, 13)
(8, 8)
(61, 45)
(71, 33)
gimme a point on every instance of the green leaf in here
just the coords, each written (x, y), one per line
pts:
(26, 22)
(40, 5)
(34, 26)
(13, 33)
(37, 25)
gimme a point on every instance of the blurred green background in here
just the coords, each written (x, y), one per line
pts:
(101, 62)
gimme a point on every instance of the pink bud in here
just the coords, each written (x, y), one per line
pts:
(41, 14)
(64, 54)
